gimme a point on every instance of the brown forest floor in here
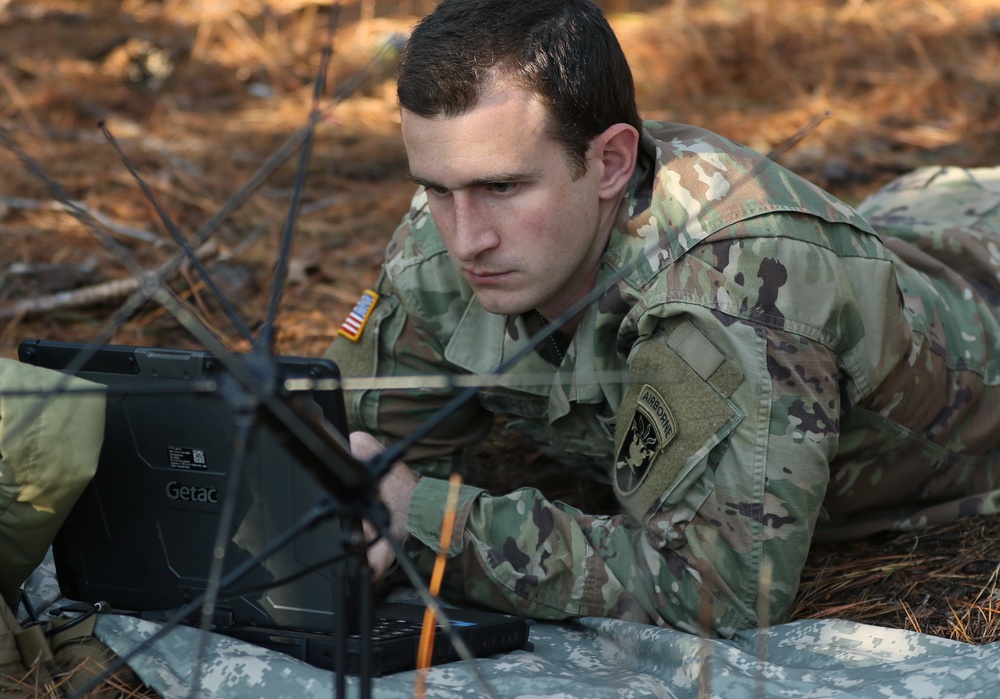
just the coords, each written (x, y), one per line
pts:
(200, 94)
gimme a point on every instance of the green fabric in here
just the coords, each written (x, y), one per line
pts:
(49, 445)
(696, 414)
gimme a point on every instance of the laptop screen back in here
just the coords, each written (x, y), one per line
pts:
(143, 534)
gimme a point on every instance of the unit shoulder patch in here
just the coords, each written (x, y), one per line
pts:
(669, 418)
(651, 429)
(354, 324)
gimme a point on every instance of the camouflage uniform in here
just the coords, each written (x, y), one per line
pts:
(762, 368)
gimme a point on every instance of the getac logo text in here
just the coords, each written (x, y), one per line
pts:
(191, 493)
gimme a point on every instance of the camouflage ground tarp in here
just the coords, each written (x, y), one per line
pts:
(598, 658)
(591, 659)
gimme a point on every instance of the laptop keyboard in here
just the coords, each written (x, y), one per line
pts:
(386, 628)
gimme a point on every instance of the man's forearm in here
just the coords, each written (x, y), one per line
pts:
(524, 554)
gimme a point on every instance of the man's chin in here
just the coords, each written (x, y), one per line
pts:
(503, 306)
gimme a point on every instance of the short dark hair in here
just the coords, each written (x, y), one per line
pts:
(564, 51)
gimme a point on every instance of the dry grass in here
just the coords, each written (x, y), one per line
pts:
(942, 581)
(201, 94)
(31, 684)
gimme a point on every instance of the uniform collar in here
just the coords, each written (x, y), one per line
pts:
(481, 344)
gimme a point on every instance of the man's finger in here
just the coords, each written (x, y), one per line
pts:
(380, 558)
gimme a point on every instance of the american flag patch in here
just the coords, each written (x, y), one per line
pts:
(355, 322)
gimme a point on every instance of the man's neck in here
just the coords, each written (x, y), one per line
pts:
(553, 313)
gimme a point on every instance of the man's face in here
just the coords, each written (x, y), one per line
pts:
(517, 226)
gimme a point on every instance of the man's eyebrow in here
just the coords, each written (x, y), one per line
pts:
(421, 181)
(498, 178)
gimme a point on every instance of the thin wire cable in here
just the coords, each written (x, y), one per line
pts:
(267, 332)
(186, 249)
(245, 424)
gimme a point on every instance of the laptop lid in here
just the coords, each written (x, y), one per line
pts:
(142, 532)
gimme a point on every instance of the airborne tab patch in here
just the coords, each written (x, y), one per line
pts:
(668, 422)
(651, 430)
(354, 324)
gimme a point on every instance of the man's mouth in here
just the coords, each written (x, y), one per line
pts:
(483, 276)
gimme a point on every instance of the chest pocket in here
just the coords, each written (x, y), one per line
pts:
(674, 412)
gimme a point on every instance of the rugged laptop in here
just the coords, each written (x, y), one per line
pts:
(142, 535)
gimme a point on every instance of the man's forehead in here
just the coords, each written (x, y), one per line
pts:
(493, 142)
(499, 111)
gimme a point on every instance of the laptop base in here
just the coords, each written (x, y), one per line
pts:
(395, 639)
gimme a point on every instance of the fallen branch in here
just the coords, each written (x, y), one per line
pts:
(113, 226)
(105, 292)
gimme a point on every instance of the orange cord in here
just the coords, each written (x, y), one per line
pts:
(426, 647)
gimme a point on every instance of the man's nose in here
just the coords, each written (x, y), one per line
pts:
(475, 232)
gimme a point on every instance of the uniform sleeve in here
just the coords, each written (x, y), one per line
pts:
(395, 345)
(719, 548)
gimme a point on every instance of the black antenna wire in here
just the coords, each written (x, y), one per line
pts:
(267, 333)
(245, 424)
(186, 248)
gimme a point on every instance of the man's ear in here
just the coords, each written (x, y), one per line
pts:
(616, 149)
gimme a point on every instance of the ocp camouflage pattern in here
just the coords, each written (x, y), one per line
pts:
(853, 387)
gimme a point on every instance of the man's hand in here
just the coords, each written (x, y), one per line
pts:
(395, 489)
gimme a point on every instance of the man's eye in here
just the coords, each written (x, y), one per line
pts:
(437, 191)
(503, 187)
